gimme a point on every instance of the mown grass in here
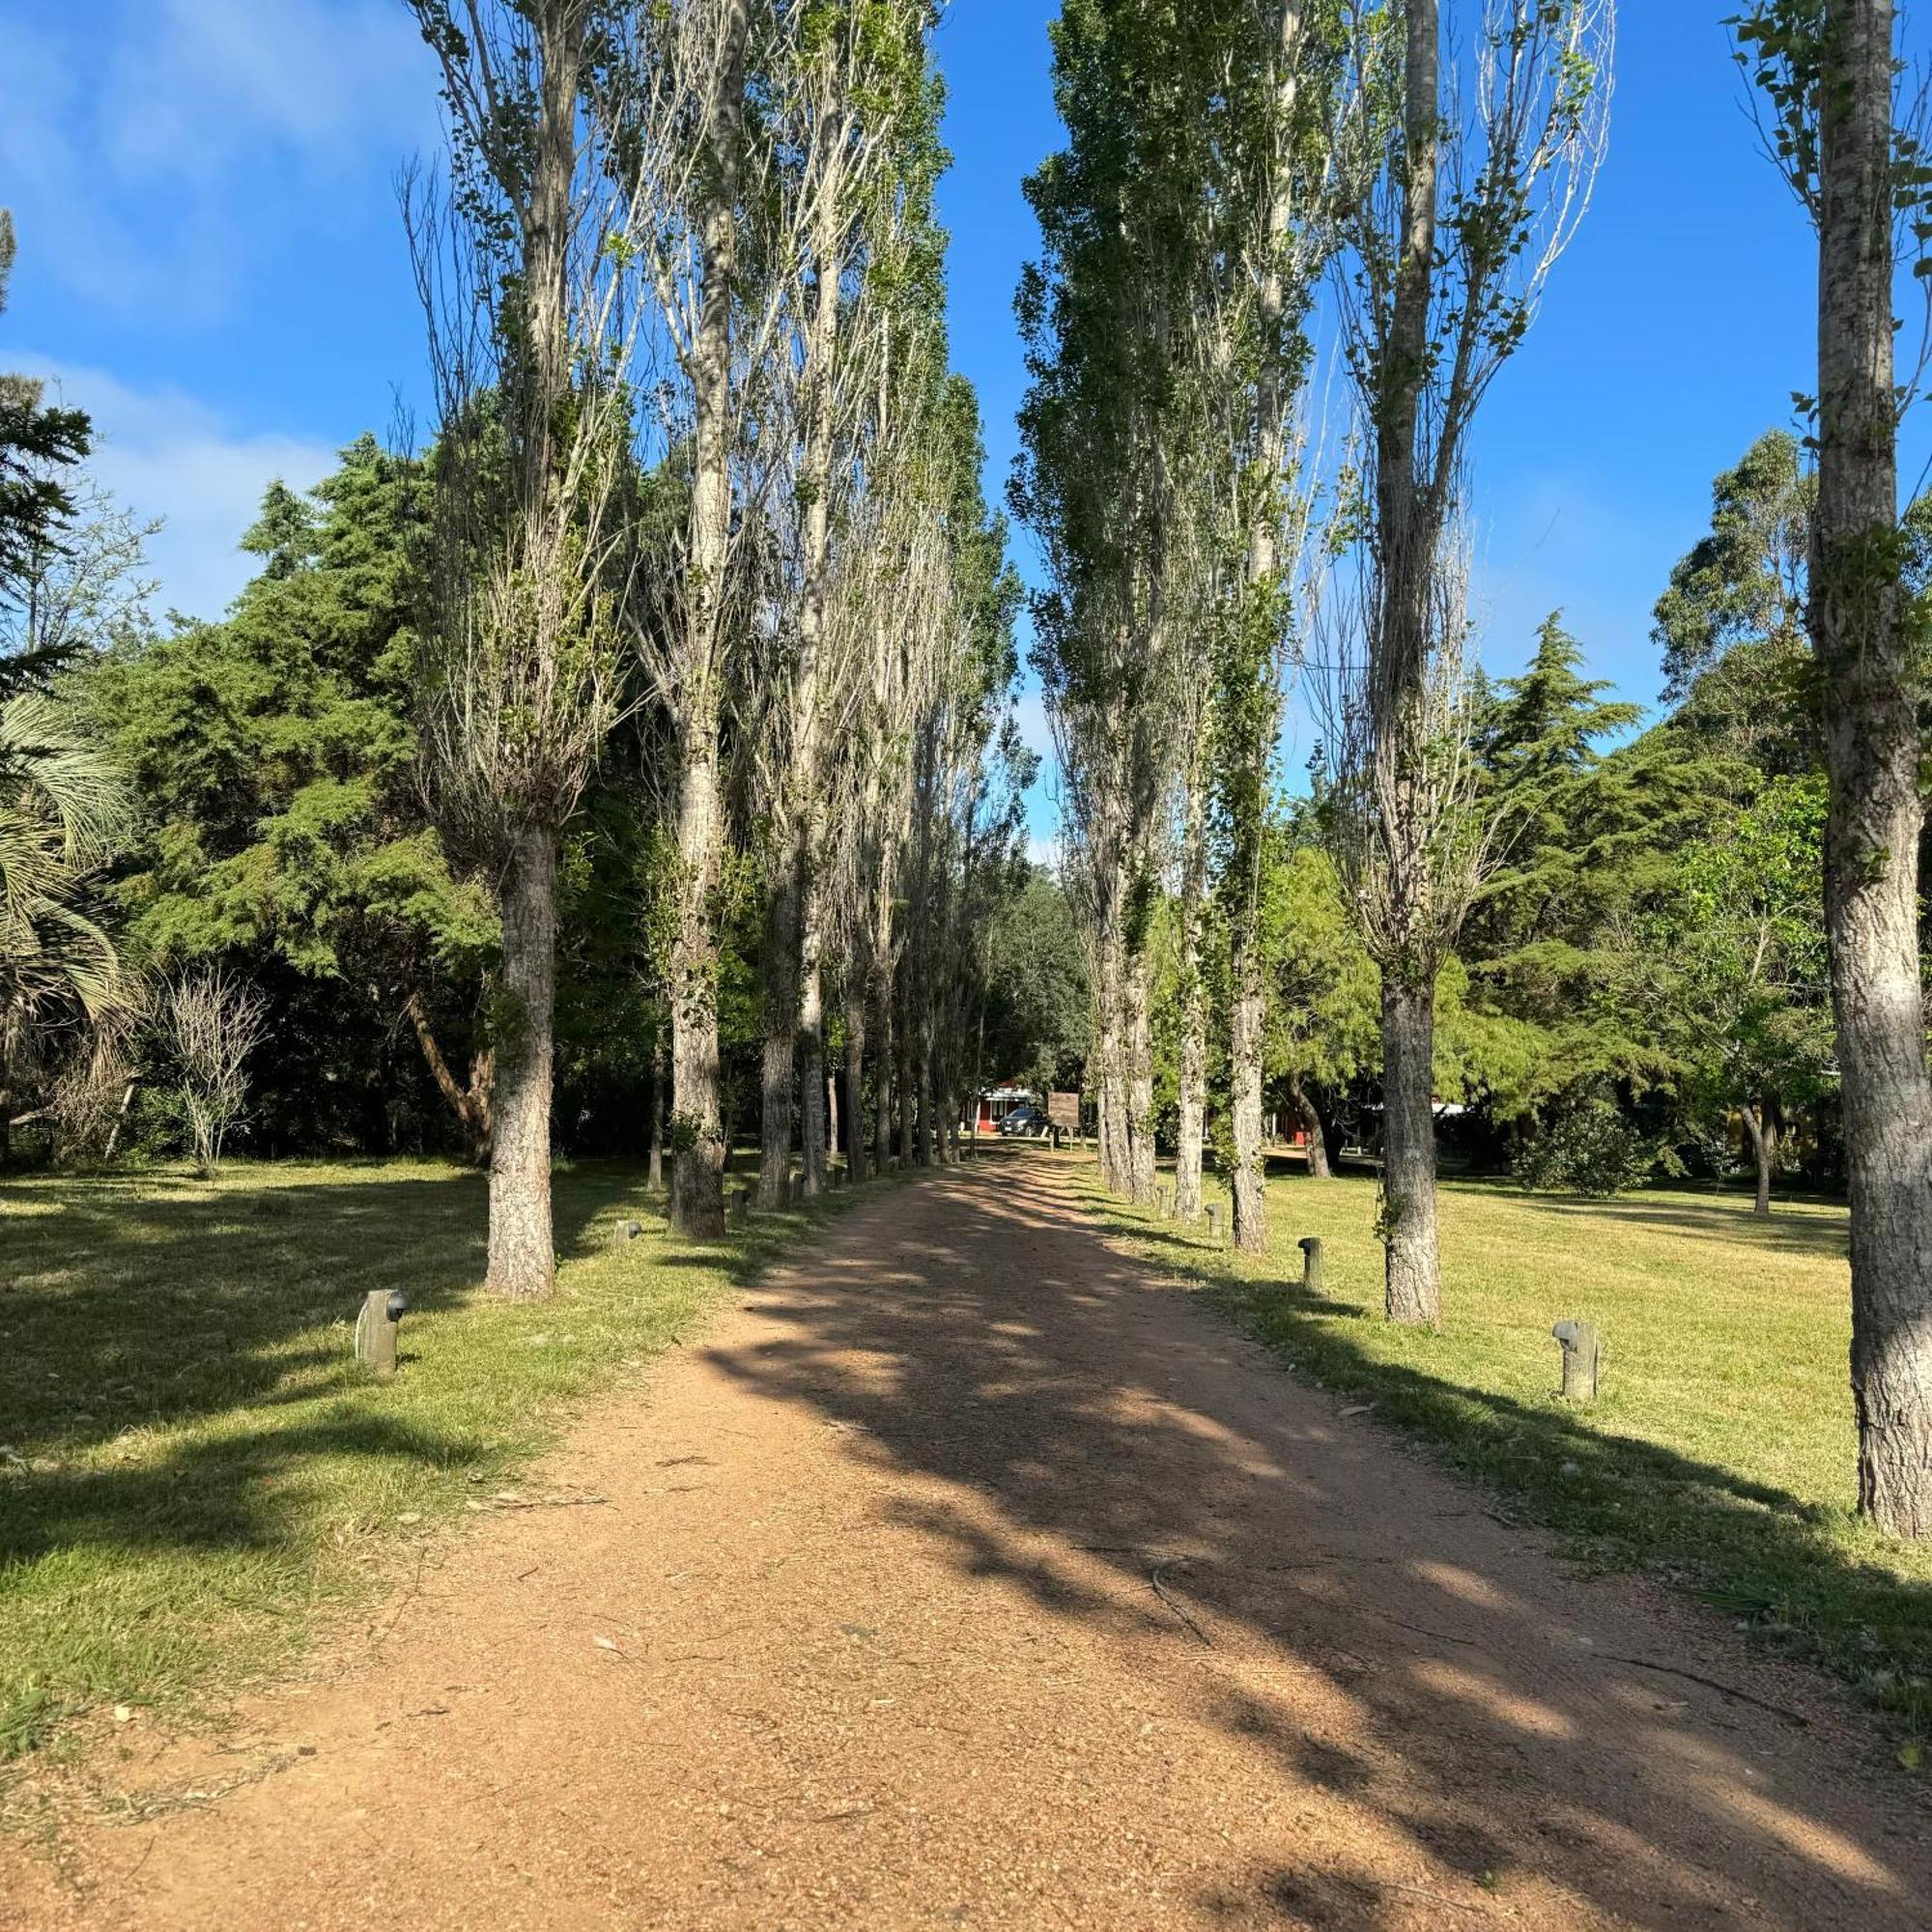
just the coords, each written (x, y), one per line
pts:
(1720, 1453)
(195, 1472)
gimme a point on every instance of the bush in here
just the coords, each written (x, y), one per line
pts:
(1588, 1149)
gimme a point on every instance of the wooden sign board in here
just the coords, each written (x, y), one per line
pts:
(1064, 1111)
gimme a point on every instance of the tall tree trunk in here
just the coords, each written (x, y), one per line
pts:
(1413, 1286)
(1252, 749)
(470, 1105)
(781, 1002)
(1140, 1083)
(698, 1167)
(888, 1060)
(1409, 521)
(1310, 1117)
(855, 1079)
(1872, 753)
(1761, 1130)
(1244, 1082)
(521, 1261)
(907, 1038)
(657, 1168)
(922, 1069)
(1108, 1008)
(1193, 999)
(698, 1138)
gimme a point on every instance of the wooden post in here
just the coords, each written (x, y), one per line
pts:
(625, 1232)
(1214, 1230)
(376, 1331)
(1582, 1354)
(1310, 1263)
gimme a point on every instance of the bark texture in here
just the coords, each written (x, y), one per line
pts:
(1310, 1117)
(1872, 753)
(657, 1167)
(1412, 1287)
(522, 1263)
(1139, 1084)
(780, 1056)
(1761, 1130)
(471, 1103)
(1409, 514)
(1244, 1080)
(1193, 1095)
(698, 1167)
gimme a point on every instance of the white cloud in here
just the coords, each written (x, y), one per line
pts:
(1030, 715)
(126, 135)
(165, 455)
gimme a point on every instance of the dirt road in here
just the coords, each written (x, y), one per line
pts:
(966, 1576)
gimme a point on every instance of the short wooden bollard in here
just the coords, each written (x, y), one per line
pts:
(1215, 1231)
(1310, 1263)
(625, 1232)
(741, 1204)
(1583, 1357)
(377, 1327)
(1163, 1202)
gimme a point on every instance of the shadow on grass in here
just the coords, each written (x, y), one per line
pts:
(221, 1492)
(154, 1300)
(1809, 1235)
(1783, 1564)
(1073, 1431)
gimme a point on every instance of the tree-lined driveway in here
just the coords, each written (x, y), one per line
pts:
(967, 1575)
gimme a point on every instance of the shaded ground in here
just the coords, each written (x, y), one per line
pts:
(968, 1577)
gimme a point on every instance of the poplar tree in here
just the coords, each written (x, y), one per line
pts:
(1828, 71)
(1480, 175)
(519, 659)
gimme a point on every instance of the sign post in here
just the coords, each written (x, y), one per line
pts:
(1063, 1113)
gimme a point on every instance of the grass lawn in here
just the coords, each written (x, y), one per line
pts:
(195, 1472)
(1720, 1451)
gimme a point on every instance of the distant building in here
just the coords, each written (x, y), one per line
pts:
(997, 1102)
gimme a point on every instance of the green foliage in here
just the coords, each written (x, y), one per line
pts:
(1591, 1148)
(40, 447)
(62, 808)
(1038, 1003)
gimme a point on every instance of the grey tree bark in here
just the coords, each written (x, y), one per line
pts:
(1310, 1117)
(1412, 1284)
(854, 1078)
(522, 1264)
(697, 1168)
(1409, 514)
(1246, 1020)
(1139, 1044)
(1193, 1097)
(780, 1056)
(1761, 1130)
(657, 1167)
(1872, 752)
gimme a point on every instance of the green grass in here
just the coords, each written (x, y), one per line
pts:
(196, 1474)
(1720, 1451)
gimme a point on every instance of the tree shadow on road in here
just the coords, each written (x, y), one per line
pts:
(1358, 1623)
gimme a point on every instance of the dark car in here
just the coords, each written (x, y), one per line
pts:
(1027, 1124)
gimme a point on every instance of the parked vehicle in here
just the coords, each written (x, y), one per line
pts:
(1026, 1123)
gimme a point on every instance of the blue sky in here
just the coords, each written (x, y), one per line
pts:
(212, 262)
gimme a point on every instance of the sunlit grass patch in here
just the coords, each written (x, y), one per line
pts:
(1720, 1453)
(193, 1469)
